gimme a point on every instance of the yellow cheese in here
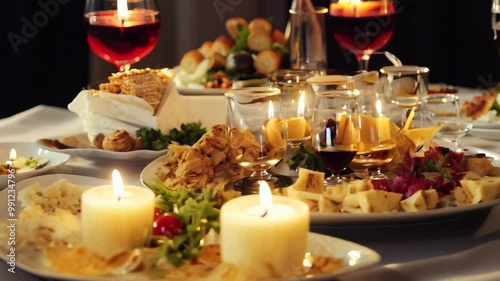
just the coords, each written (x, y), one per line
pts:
(297, 127)
(310, 181)
(274, 132)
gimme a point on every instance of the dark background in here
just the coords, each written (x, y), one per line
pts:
(453, 38)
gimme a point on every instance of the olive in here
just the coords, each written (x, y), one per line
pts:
(240, 61)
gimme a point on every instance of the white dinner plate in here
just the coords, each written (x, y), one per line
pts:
(29, 149)
(194, 91)
(95, 154)
(487, 134)
(353, 256)
(148, 174)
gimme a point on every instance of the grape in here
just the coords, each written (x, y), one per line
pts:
(167, 225)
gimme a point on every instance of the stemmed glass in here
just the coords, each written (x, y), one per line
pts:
(335, 130)
(362, 26)
(259, 133)
(297, 100)
(495, 22)
(444, 110)
(405, 86)
(122, 32)
(376, 147)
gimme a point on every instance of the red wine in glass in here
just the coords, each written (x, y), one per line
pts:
(362, 27)
(122, 32)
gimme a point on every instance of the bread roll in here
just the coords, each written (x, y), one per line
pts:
(222, 45)
(219, 61)
(267, 61)
(191, 60)
(259, 41)
(206, 49)
(232, 26)
(261, 24)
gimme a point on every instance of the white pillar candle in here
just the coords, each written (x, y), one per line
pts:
(266, 241)
(116, 218)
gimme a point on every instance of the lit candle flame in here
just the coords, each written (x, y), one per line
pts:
(266, 198)
(122, 10)
(378, 106)
(117, 184)
(301, 105)
(270, 110)
(12, 155)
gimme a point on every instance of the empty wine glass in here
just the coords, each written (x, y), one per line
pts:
(444, 110)
(122, 32)
(259, 131)
(405, 86)
(335, 134)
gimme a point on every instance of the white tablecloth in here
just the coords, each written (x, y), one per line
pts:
(439, 251)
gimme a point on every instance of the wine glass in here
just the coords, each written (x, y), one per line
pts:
(444, 110)
(335, 134)
(405, 86)
(495, 23)
(362, 26)
(122, 32)
(376, 147)
(259, 133)
(297, 101)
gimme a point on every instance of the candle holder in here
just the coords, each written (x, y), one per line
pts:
(259, 133)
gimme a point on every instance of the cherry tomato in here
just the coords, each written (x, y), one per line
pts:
(167, 225)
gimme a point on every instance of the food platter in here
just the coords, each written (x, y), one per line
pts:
(332, 218)
(199, 91)
(95, 154)
(353, 256)
(27, 149)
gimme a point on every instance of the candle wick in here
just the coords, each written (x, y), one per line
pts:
(119, 197)
(265, 213)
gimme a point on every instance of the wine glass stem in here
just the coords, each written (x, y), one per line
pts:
(363, 62)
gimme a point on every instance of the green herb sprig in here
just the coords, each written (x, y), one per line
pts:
(188, 134)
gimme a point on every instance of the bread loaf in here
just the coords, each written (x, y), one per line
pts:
(222, 45)
(267, 61)
(259, 41)
(206, 49)
(261, 24)
(191, 60)
(232, 26)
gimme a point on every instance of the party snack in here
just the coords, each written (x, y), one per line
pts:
(147, 84)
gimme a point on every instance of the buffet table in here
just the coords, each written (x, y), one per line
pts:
(462, 247)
